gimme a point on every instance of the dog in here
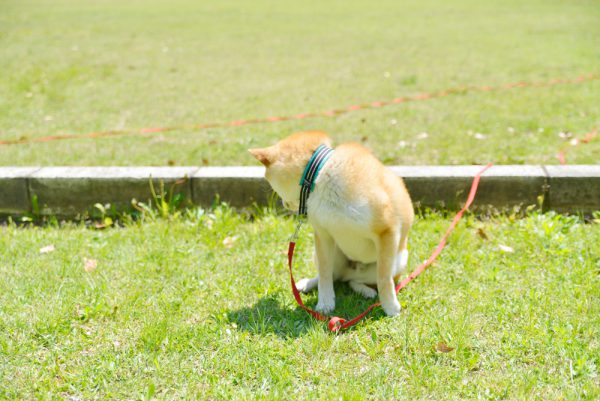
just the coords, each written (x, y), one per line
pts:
(360, 211)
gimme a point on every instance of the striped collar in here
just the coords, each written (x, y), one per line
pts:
(311, 172)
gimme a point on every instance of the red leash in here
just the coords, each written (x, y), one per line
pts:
(337, 323)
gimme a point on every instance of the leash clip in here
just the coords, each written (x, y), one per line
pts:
(294, 236)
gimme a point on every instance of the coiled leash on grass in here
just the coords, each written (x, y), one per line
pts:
(336, 323)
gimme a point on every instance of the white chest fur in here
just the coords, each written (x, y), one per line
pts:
(343, 215)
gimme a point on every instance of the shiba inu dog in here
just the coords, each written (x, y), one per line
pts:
(360, 211)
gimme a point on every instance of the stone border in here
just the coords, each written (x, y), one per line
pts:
(69, 191)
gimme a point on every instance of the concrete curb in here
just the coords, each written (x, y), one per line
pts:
(14, 189)
(69, 191)
(574, 188)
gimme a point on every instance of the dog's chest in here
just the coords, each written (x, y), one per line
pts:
(346, 219)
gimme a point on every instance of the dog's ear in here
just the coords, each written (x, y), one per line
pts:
(264, 155)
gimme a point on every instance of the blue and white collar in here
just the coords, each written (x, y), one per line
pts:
(311, 172)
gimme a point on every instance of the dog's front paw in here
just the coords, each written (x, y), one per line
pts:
(325, 306)
(307, 284)
(391, 308)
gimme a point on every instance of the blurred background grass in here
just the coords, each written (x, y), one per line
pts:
(78, 66)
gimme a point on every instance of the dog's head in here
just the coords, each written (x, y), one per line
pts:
(285, 161)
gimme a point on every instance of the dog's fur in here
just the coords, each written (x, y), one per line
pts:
(360, 211)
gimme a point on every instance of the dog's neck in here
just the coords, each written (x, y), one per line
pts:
(310, 174)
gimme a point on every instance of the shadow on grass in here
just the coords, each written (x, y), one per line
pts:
(268, 316)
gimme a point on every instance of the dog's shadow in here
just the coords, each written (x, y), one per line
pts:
(268, 316)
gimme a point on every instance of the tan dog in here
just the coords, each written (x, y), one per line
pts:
(360, 211)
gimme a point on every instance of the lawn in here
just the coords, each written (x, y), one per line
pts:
(199, 307)
(72, 66)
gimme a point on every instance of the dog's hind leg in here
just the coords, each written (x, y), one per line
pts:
(362, 289)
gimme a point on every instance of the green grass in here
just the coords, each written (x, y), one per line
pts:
(71, 66)
(171, 311)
